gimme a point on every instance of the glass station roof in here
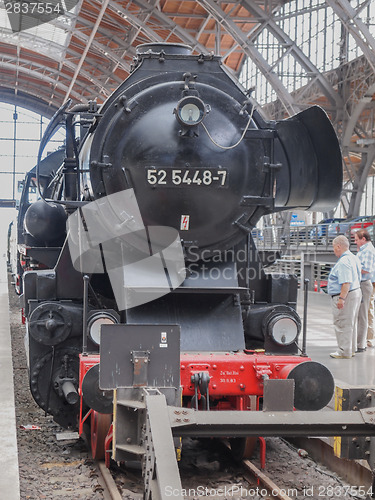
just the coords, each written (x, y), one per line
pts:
(47, 38)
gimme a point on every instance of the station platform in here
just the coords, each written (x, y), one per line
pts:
(9, 478)
(321, 341)
(356, 371)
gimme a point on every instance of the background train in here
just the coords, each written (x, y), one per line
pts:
(181, 142)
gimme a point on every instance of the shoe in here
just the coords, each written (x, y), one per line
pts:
(370, 343)
(361, 349)
(339, 355)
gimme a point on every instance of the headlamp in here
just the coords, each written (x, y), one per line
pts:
(283, 329)
(190, 111)
(96, 321)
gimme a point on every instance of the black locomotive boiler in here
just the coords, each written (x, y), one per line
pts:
(197, 156)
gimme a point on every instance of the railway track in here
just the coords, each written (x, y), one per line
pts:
(209, 471)
(110, 489)
(259, 482)
(255, 482)
(264, 483)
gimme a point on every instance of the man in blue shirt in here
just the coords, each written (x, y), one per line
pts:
(344, 287)
(366, 254)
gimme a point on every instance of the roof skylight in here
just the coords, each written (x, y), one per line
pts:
(38, 33)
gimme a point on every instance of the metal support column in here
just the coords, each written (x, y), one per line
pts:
(161, 474)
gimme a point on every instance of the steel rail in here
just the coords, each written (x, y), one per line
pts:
(108, 481)
(255, 474)
(258, 475)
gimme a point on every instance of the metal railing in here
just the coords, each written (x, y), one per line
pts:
(317, 272)
(308, 237)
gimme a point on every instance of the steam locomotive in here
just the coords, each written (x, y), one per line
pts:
(143, 224)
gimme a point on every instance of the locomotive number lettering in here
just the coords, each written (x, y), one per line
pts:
(172, 177)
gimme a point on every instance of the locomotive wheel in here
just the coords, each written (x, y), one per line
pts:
(243, 448)
(100, 424)
(63, 413)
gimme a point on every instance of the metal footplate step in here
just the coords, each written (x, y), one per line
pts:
(144, 372)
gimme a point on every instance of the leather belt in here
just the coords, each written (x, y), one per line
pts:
(337, 294)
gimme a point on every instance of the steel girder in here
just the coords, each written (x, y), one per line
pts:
(289, 47)
(349, 17)
(86, 49)
(361, 172)
(40, 70)
(167, 23)
(49, 51)
(140, 24)
(134, 31)
(312, 71)
(251, 51)
(354, 124)
(262, 18)
(356, 110)
(38, 76)
(24, 100)
(97, 47)
(357, 141)
(107, 58)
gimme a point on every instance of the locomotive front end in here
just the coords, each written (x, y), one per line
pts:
(177, 138)
(179, 161)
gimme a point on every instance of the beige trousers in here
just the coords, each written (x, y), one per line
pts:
(370, 329)
(345, 322)
(366, 287)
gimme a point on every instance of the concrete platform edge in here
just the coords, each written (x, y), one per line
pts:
(9, 479)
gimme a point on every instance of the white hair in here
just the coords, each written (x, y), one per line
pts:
(342, 241)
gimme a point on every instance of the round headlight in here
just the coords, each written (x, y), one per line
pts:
(95, 323)
(283, 329)
(190, 111)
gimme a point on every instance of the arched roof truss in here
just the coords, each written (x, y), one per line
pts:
(86, 53)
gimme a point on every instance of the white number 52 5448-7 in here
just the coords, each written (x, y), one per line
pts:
(172, 177)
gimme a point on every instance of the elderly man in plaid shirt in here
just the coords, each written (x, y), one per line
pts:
(366, 254)
(344, 287)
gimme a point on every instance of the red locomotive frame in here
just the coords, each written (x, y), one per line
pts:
(234, 377)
